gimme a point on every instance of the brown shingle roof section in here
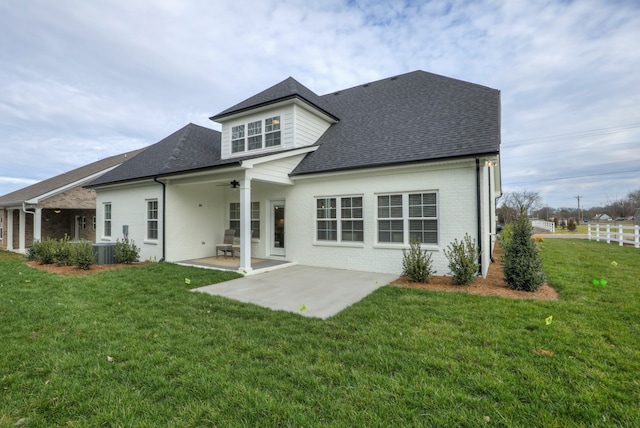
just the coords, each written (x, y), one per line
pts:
(59, 181)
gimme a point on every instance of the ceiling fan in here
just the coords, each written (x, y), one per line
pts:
(234, 184)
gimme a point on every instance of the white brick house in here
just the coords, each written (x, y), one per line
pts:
(343, 180)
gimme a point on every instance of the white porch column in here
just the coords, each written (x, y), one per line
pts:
(9, 229)
(37, 225)
(23, 232)
(245, 225)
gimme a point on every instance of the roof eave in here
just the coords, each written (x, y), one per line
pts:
(393, 164)
(271, 102)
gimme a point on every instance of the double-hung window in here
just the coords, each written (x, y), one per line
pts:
(406, 216)
(272, 131)
(237, 139)
(107, 220)
(339, 219)
(152, 219)
(254, 130)
(234, 218)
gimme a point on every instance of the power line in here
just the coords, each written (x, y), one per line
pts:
(571, 135)
(541, 153)
(572, 177)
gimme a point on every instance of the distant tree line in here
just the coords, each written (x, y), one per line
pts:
(530, 203)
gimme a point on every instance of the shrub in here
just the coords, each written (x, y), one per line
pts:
(571, 225)
(82, 255)
(463, 259)
(505, 234)
(416, 263)
(62, 256)
(43, 252)
(125, 251)
(521, 262)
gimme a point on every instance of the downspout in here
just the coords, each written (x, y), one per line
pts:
(164, 215)
(479, 214)
(490, 217)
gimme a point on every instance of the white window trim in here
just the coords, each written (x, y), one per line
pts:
(105, 220)
(1, 228)
(263, 136)
(259, 219)
(338, 242)
(405, 221)
(147, 220)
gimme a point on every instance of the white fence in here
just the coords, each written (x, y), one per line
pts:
(546, 225)
(612, 233)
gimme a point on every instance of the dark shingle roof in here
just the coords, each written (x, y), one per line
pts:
(417, 116)
(287, 89)
(65, 179)
(189, 148)
(412, 117)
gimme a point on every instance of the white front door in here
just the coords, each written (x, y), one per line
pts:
(277, 228)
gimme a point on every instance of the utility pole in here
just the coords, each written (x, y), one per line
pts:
(579, 219)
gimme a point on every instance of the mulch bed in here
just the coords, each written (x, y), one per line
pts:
(73, 270)
(492, 285)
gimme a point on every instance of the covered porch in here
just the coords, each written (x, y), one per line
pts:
(233, 264)
(250, 199)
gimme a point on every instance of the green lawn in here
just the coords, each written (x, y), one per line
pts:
(134, 348)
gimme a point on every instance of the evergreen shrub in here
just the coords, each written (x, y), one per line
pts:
(521, 262)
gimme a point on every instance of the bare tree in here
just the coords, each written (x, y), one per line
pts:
(522, 202)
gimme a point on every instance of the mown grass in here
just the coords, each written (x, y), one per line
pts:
(134, 348)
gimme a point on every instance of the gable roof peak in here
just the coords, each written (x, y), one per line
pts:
(287, 89)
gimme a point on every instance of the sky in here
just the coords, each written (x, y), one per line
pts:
(83, 80)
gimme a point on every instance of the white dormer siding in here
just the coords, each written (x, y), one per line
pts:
(299, 127)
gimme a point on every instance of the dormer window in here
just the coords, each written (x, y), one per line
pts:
(237, 139)
(272, 131)
(259, 135)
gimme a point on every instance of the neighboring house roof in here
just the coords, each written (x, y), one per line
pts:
(61, 181)
(287, 89)
(417, 116)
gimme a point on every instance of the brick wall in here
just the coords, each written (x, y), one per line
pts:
(76, 198)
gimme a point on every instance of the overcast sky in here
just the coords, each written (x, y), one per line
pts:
(83, 80)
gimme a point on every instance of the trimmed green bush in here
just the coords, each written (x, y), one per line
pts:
(571, 225)
(82, 255)
(463, 259)
(44, 251)
(125, 251)
(63, 255)
(521, 262)
(416, 263)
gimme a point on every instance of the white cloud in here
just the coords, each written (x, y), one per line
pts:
(93, 79)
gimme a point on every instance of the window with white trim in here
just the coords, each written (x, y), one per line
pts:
(339, 219)
(237, 139)
(406, 216)
(260, 134)
(1, 228)
(234, 218)
(272, 131)
(254, 131)
(152, 219)
(107, 219)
